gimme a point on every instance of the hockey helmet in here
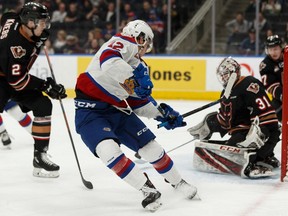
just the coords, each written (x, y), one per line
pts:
(226, 68)
(138, 29)
(33, 11)
(272, 41)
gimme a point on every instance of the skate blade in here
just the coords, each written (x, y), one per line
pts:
(196, 197)
(262, 175)
(191, 194)
(39, 172)
(152, 207)
(261, 163)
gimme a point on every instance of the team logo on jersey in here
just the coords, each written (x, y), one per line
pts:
(262, 66)
(253, 87)
(18, 51)
(129, 85)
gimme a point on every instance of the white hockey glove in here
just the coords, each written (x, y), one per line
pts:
(202, 131)
(255, 138)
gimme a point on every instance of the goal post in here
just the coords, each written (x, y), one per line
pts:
(284, 161)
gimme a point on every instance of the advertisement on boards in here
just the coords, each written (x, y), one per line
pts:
(174, 77)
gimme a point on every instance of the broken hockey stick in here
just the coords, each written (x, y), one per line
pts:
(88, 184)
(226, 95)
(141, 161)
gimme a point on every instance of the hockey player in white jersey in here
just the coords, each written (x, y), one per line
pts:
(110, 95)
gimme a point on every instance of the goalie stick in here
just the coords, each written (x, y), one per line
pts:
(87, 184)
(141, 161)
(226, 95)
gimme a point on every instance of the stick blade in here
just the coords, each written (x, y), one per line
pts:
(87, 184)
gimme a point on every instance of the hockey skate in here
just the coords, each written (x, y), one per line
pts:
(257, 171)
(5, 139)
(188, 190)
(253, 170)
(43, 167)
(151, 200)
(270, 162)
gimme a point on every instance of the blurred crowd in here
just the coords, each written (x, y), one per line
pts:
(82, 26)
(272, 19)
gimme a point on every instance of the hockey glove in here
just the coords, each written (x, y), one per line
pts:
(172, 117)
(54, 90)
(143, 84)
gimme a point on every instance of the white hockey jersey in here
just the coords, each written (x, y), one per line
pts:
(106, 75)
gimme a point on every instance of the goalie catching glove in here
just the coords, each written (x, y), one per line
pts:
(54, 90)
(202, 131)
(170, 117)
(143, 84)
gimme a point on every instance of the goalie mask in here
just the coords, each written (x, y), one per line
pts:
(141, 32)
(226, 68)
(35, 12)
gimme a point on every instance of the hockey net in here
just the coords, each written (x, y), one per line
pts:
(284, 160)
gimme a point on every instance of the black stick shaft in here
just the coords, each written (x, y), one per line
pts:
(88, 184)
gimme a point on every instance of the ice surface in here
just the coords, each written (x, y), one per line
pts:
(21, 194)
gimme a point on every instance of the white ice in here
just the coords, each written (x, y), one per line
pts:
(21, 194)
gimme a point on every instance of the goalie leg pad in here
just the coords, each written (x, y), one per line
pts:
(218, 158)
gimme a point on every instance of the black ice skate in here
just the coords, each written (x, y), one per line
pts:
(270, 162)
(152, 196)
(188, 190)
(5, 139)
(43, 167)
(253, 170)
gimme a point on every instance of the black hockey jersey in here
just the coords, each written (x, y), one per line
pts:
(248, 99)
(17, 54)
(272, 76)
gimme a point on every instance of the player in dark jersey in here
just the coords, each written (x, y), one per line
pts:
(247, 102)
(21, 38)
(271, 70)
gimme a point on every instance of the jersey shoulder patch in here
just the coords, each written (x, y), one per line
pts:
(254, 88)
(262, 65)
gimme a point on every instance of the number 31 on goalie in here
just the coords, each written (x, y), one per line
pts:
(263, 103)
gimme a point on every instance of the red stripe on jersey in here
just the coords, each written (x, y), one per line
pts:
(127, 38)
(91, 88)
(108, 54)
(135, 103)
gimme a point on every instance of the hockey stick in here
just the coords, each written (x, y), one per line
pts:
(226, 95)
(88, 184)
(141, 161)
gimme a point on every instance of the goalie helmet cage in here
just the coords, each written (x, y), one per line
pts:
(284, 160)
